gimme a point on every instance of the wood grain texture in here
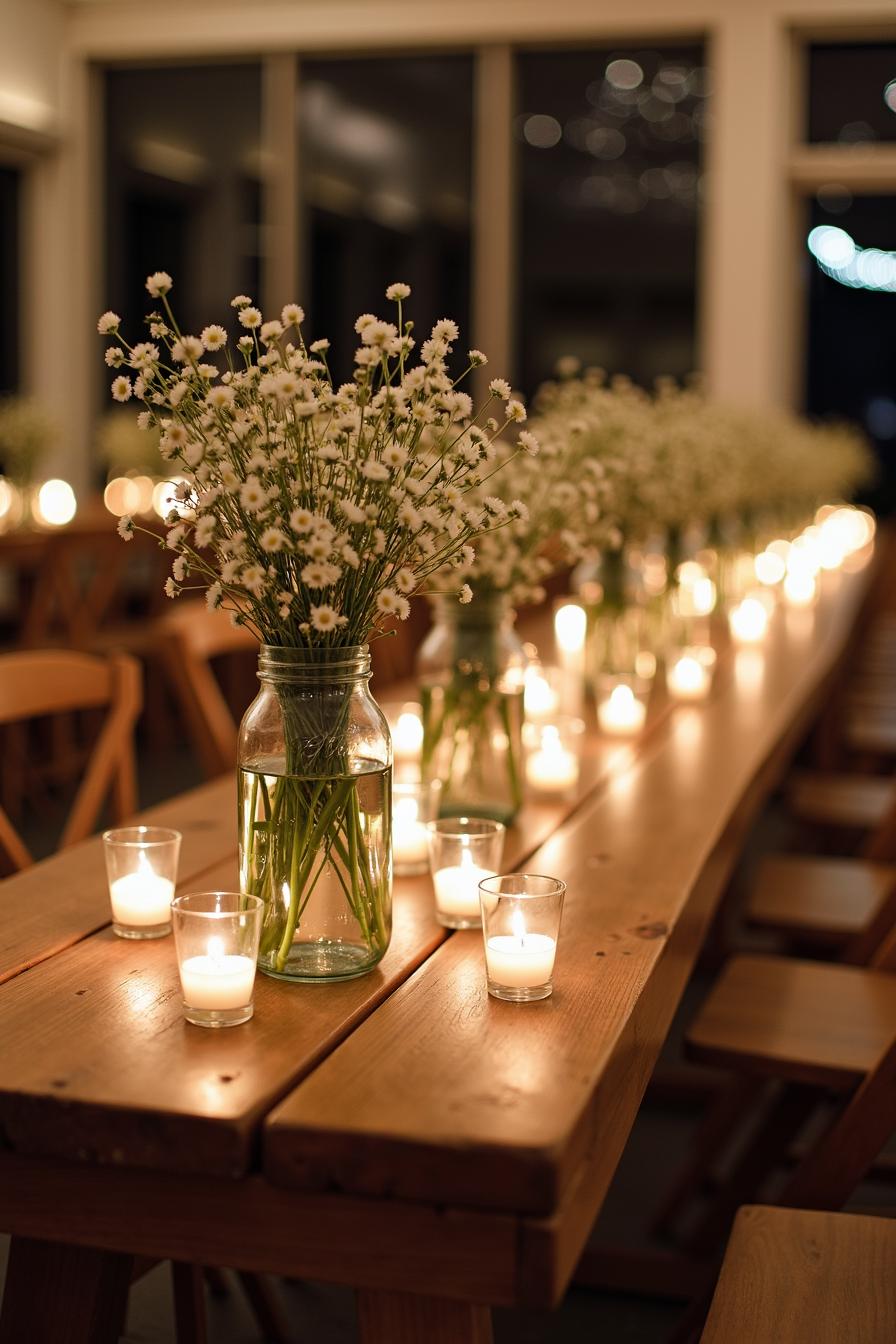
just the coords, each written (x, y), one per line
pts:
(446, 1094)
(252, 1225)
(401, 1318)
(802, 1020)
(797, 1277)
(58, 902)
(830, 899)
(103, 1068)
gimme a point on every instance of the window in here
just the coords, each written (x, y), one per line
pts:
(183, 158)
(608, 209)
(10, 266)
(852, 92)
(385, 174)
(852, 311)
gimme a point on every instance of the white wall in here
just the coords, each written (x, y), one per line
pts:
(31, 37)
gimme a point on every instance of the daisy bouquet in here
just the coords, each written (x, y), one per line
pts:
(313, 512)
(471, 671)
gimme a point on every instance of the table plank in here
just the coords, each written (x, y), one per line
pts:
(447, 1095)
(47, 908)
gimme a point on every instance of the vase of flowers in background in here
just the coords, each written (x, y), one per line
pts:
(471, 668)
(313, 513)
(27, 434)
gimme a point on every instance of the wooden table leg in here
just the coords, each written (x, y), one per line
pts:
(404, 1318)
(58, 1294)
(188, 1284)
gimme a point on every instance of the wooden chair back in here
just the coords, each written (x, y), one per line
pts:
(37, 683)
(190, 636)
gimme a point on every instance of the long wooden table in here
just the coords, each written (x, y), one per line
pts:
(402, 1133)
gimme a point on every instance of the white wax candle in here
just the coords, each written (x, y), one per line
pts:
(457, 888)
(552, 768)
(407, 736)
(540, 699)
(800, 588)
(570, 628)
(688, 679)
(217, 982)
(141, 899)
(520, 963)
(748, 622)
(409, 841)
(622, 711)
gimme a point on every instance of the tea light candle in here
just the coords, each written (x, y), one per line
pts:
(457, 888)
(216, 980)
(748, 621)
(410, 847)
(520, 960)
(540, 699)
(142, 898)
(621, 712)
(407, 735)
(800, 588)
(553, 768)
(688, 678)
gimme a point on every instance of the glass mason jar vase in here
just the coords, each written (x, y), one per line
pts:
(471, 670)
(315, 815)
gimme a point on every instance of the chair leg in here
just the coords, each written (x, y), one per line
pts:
(189, 1303)
(216, 1281)
(722, 1119)
(783, 1121)
(265, 1307)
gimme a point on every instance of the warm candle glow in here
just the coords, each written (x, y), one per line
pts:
(540, 699)
(552, 768)
(457, 887)
(407, 735)
(770, 567)
(800, 588)
(748, 621)
(410, 847)
(689, 678)
(622, 712)
(570, 624)
(54, 503)
(141, 899)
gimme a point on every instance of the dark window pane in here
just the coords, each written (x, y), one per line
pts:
(385, 177)
(10, 264)
(852, 92)
(610, 187)
(852, 355)
(182, 193)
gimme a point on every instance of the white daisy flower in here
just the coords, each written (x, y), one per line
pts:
(352, 511)
(213, 337)
(253, 495)
(325, 618)
(214, 596)
(253, 579)
(405, 581)
(515, 411)
(477, 358)
(250, 318)
(114, 356)
(108, 323)
(204, 531)
(499, 387)
(240, 301)
(293, 316)
(187, 350)
(159, 283)
(272, 539)
(126, 528)
(374, 471)
(350, 556)
(302, 520)
(121, 388)
(398, 291)
(395, 455)
(445, 330)
(271, 332)
(170, 588)
(465, 595)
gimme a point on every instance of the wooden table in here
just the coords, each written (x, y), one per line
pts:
(402, 1133)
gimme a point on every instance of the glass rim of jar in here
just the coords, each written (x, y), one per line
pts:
(121, 835)
(182, 906)
(291, 661)
(455, 828)
(555, 886)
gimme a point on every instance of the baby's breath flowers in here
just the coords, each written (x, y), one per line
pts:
(311, 511)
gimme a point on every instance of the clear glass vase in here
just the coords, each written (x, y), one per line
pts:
(471, 670)
(315, 815)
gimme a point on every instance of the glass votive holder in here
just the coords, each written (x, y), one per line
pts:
(552, 766)
(216, 938)
(141, 865)
(622, 703)
(689, 672)
(462, 852)
(520, 927)
(543, 692)
(405, 720)
(414, 805)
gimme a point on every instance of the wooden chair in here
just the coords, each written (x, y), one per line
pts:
(46, 682)
(792, 1276)
(189, 637)
(817, 1028)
